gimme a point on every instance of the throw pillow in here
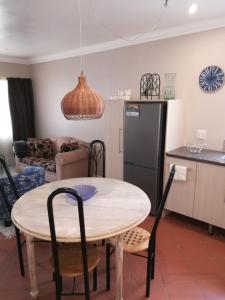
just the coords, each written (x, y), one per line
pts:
(40, 148)
(68, 147)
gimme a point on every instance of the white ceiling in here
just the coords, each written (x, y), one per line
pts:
(40, 30)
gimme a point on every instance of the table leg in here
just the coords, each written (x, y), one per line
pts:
(31, 266)
(119, 266)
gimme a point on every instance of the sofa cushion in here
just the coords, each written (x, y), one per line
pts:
(62, 140)
(40, 148)
(48, 164)
(66, 147)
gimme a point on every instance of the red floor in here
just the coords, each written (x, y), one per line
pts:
(190, 265)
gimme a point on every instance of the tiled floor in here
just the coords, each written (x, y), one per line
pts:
(190, 265)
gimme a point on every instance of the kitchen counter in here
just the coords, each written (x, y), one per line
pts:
(206, 156)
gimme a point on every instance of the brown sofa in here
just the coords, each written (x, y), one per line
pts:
(61, 157)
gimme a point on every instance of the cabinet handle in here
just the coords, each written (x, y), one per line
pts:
(120, 142)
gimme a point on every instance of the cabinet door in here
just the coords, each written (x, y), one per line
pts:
(113, 138)
(210, 194)
(181, 195)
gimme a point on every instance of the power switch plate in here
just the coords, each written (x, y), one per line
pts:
(201, 134)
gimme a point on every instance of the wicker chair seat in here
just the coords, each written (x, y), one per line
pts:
(70, 259)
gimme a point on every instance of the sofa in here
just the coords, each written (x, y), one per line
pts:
(61, 157)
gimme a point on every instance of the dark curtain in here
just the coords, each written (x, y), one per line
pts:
(21, 104)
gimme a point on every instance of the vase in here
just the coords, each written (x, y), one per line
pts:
(169, 86)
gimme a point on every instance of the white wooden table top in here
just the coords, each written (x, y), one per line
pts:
(116, 207)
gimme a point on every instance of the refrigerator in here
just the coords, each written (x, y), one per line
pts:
(144, 146)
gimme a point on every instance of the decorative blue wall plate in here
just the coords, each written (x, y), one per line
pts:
(211, 78)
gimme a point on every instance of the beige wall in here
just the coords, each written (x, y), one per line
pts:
(122, 68)
(14, 70)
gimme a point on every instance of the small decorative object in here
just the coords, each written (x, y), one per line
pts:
(122, 95)
(127, 95)
(150, 85)
(196, 148)
(85, 191)
(114, 97)
(211, 78)
(170, 86)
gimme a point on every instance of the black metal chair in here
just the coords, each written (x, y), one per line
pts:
(71, 259)
(139, 239)
(10, 193)
(18, 237)
(96, 159)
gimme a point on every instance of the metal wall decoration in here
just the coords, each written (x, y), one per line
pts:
(150, 85)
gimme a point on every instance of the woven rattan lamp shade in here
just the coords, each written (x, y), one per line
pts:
(82, 103)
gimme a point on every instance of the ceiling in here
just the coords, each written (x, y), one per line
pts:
(34, 31)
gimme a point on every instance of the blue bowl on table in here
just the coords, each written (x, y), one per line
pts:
(85, 191)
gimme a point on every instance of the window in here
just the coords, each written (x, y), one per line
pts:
(5, 124)
(5, 118)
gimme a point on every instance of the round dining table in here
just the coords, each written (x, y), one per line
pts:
(116, 207)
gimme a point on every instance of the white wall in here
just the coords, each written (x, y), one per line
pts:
(51, 82)
(122, 68)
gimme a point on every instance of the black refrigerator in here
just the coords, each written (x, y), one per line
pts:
(144, 146)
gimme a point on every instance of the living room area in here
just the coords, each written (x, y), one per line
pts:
(115, 45)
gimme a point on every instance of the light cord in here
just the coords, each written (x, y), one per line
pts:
(109, 29)
(80, 34)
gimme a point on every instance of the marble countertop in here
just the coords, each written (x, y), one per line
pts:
(207, 156)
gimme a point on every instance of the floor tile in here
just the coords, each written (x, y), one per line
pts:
(190, 265)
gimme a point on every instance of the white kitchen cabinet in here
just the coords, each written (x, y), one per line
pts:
(209, 204)
(174, 124)
(181, 196)
(202, 195)
(113, 138)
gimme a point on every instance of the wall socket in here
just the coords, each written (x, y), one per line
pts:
(201, 134)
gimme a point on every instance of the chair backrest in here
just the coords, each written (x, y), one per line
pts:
(96, 158)
(160, 209)
(82, 235)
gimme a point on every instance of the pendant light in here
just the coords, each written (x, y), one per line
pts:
(82, 103)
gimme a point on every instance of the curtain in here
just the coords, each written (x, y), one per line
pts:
(5, 124)
(21, 103)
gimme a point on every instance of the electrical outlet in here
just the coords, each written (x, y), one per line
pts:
(201, 134)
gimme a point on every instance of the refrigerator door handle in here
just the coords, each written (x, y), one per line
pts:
(120, 140)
